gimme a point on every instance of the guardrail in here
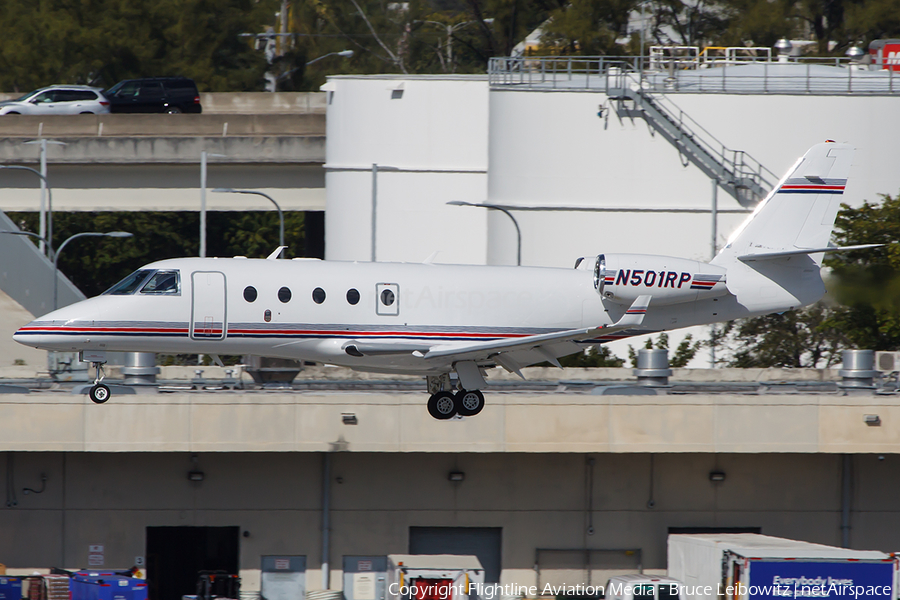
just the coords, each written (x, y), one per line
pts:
(832, 76)
(144, 125)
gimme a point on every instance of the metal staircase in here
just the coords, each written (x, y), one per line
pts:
(26, 275)
(738, 173)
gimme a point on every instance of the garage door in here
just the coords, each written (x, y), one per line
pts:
(483, 542)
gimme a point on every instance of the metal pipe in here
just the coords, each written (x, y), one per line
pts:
(326, 518)
(846, 496)
(45, 241)
(715, 215)
(46, 221)
(374, 205)
(203, 204)
(272, 200)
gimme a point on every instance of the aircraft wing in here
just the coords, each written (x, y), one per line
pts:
(512, 354)
(633, 317)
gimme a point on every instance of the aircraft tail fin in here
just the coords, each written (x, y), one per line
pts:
(798, 214)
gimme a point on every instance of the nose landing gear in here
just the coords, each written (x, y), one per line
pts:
(99, 393)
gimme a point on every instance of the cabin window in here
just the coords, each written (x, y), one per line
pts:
(387, 299)
(353, 296)
(318, 295)
(284, 294)
(250, 294)
(131, 283)
(163, 283)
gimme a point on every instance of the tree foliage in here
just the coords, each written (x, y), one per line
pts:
(684, 353)
(101, 42)
(595, 356)
(867, 282)
(797, 338)
(104, 41)
(95, 264)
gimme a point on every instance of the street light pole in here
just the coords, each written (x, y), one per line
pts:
(450, 28)
(46, 219)
(46, 237)
(203, 157)
(375, 169)
(285, 75)
(272, 200)
(116, 234)
(505, 211)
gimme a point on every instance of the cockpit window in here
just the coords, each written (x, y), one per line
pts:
(162, 282)
(129, 284)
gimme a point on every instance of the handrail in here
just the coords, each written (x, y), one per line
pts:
(675, 75)
(736, 161)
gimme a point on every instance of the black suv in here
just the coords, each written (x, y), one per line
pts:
(154, 95)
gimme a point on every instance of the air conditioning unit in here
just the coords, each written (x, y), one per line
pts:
(887, 362)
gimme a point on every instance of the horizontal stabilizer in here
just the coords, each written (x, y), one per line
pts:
(784, 253)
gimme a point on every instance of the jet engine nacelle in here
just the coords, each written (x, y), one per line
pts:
(621, 278)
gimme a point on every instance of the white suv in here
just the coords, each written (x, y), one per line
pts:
(58, 100)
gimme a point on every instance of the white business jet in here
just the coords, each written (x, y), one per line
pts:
(434, 320)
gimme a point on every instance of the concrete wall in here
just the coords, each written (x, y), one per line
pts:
(166, 186)
(128, 125)
(266, 421)
(432, 133)
(263, 102)
(570, 156)
(539, 501)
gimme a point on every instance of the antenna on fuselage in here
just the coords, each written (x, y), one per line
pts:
(276, 253)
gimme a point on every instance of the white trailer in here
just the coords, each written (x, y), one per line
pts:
(433, 577)
(748, 566)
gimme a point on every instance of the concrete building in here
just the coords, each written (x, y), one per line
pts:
(534, 484)
(558, 485)
(579, 159)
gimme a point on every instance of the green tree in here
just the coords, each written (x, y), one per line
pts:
(588, 27)
(595, 356)
(684, 353)
(867, 282)
(103, 41)
(760, 22)
(95, 264)
(797, 338)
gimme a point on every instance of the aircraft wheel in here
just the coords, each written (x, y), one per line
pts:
(99, 393)
(442, 405)
(469, 402)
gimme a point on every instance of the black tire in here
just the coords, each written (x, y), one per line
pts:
(12, 112)
(87, 112)
(442, 406)
(173, 110)
(469, 402)
(99, 393)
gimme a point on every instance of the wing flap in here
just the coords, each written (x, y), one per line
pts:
(541, 345)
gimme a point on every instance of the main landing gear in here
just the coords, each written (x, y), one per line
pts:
(445, 404)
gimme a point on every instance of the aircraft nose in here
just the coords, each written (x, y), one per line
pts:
(27, 335)
(57, 330)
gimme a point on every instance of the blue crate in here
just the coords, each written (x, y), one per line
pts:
(10, 588)
(106, 585)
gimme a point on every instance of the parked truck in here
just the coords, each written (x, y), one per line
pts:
(748, 566)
